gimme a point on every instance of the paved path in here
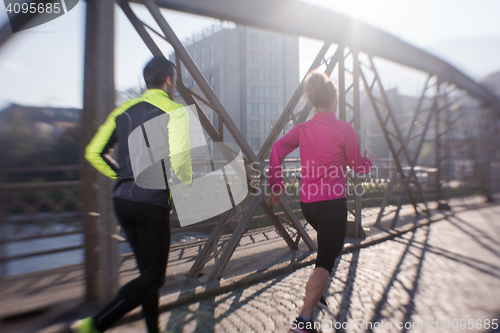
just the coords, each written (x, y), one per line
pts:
(448, 270)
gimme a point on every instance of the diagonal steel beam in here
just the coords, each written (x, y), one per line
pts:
(414, 160)
(285, 116)
(389, 142)
(358, 199)
(417, 110)
(241, 228)
(193, 69)
(207, 125)
(301, 19)
(286, 208)
(400, 138)
(387, 138)
(181, 88)
(182, 53)
(208, 248)
(442, 137)
(297, 225)
(342, 90)
(284, 205)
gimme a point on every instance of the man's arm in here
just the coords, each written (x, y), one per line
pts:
(97, 150)
(180, 145)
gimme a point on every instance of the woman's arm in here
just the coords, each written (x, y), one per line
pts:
(359, 164)
(281, 148)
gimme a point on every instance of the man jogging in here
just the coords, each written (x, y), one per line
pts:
(143, 213)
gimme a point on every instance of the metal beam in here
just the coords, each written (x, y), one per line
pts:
(241, 228)
(301, 233)
(301, 19)
(297, 18)
(199, 78)
(358, 198)
(101, 260)
(288, 111)
(205, 252)
(398, 137)
(413, 161)
(187, 95)
(342, 110)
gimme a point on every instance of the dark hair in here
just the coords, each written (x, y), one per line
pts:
(320, 89)
(156, 72)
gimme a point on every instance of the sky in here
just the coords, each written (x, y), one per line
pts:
(44, 65)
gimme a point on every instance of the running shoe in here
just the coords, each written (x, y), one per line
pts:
(299, 325)
(323, 304)
(84, 326)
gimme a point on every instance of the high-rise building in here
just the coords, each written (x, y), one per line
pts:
(253, 72)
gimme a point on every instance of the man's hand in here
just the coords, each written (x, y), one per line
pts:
(369, 155)
(274, 199)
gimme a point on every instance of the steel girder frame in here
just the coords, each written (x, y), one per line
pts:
(432, 110)
(486, 150)
(442, 143)
(287, 116)
(355, 108)
(301, 19)
(337, 59)
(476, 146)
(465, 149)
(211, 249)
(101, 250)
(297, 18)
(393, 139)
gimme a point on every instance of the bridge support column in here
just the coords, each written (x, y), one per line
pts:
(101, 251)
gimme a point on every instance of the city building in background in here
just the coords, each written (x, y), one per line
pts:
(253, 72)
(33, 136)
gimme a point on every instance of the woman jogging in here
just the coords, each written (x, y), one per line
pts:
(327, 145)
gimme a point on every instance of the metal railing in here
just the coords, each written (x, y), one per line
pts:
(48, 212)
(37, 215)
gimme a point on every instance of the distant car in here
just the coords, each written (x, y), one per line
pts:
(420, 171)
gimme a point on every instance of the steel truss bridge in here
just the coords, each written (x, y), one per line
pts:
(354, 46)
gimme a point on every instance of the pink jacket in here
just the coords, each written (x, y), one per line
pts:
(326, 146)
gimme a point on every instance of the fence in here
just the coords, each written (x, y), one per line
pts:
(41, 222)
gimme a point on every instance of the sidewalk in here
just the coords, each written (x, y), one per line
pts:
(261, 256)
(420, 281)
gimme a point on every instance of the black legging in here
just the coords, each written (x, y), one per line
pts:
(148, 230)
(329, 219)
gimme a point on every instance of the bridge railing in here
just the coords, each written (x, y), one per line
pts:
(41, 221)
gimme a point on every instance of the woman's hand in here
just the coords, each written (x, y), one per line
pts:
(369, 155)
(274, 199)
